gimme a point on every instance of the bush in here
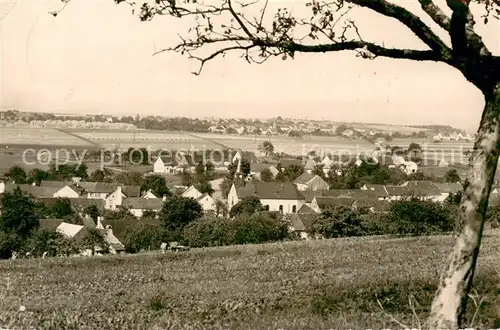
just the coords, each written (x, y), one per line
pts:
(340, 221)
(415, 217)
(9, 242)
(247, 205)
(243, 229)
(143, 236)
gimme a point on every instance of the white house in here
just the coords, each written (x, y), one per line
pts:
(149, 194)
(67, 192)
(137, 206)
(207, 202)
(311, 182)
(114, 199)
(257, 168)
(192, 192)
(274, 196)
(173, 164)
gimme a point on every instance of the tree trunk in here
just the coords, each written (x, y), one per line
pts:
(449, 305)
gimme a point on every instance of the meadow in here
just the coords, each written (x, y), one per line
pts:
(356, 283)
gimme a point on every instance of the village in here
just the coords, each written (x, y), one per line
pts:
(299, 197)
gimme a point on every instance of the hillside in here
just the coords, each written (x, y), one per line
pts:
(296, 285)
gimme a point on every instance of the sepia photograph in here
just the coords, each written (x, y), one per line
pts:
(249, 164)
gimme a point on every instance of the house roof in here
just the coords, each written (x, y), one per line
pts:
(306, 210)
(69, 229)
(50, 224)
(270, 190)
(143, 203)
(323, 202)
(397, 190)
(289, 162)
(172, 160)
(304, 178)
(423, 188)
(449, 187)
(131, 191)
(35, 191)
(379, 189)
(302, 222)
(245, 155)
(57, 184)
(310, 164)
(81, 203)
(98, 187)
(259, 167)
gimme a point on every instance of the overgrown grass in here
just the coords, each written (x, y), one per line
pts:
(330, 284)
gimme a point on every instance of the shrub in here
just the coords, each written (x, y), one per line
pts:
(247, 205)
(340, 221)
(243, 229)
(414, 216)
(143, 236)
(9, 242)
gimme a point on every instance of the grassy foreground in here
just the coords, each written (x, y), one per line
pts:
(330, 284)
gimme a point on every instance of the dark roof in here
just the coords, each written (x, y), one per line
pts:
(57, 184)
(306, 210)
(397, 190)
(259, 167)
(98, 187)
(377, 205)
(379, 189)
(35, 191)
(289, 162)
(183, 160)
(449, 187)
(143, 203)
(131, 191)
(310, 164)
(50, 224)
(324, 202)
(81, 203)
(304, 178)
(423, 188)
(302, 222)
(357, 194)
(270, 190)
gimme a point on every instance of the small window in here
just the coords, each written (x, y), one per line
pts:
(281, 209)
(266, 207)
(294, 209)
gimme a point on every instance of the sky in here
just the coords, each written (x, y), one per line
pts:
(96, 57)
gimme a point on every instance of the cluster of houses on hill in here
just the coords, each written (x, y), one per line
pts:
(453, 137)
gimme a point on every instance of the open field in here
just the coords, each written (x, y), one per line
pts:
(124, 139)
(328, 284)
(40, 137)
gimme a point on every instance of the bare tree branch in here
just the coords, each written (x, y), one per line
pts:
(437, 15)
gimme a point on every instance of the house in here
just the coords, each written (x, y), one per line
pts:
(395, 192)
(310, 165)
(322, 203)
(207, 202)
(448, 188)
(191, 192)
(101, 190)
(217, 188)
(284, 163)
(28, 189)
(302, 224)
(257, 168)
(243, 155)
(149, 194)
(274, 196)
(137, 206)
(114, 199)
(378, 189)
(173, 164)
(71, 231)
(50, 224)
(114, 244)
(312, 182)
(68, 191)
(425, 190)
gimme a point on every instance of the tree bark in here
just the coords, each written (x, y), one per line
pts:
(450, 302)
